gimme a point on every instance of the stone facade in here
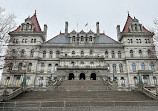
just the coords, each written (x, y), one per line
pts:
(80, 55)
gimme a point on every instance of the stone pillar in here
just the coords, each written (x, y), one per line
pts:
(150, 80)
(11, 80)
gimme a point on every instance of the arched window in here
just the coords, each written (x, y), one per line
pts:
(27, 26)
(42, 67)
(16, 40)
(10, 67)
(32, 53)
(119, 54)
(140, 53)
(122, 81)
(34, 40)
(136, 29)
(57, 54)
(155, 80)
(7, 81)
(121, 67)
(55, 68)
(82, 53)
(91, 64)
(131, 53)
(135, 80)
(27, 80)
(91, 53)
(31, 40)
(108, 67)
(133, 67)
(20, 66)
(90, 38)
(44, 54)
(82, 63)
(22, 52)
(49, 67)
(145, 78)
(73, 53)
(152, 67)
(106, 54)
(149, 53)
(114, 67)
(50, 54)
(113, 54)
(29, 67)
(82, 39)
(142, 66)
(23, 40)
(41, 81)
(72, 63)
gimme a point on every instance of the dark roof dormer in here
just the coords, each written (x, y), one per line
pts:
(133, 25)
(28, 25)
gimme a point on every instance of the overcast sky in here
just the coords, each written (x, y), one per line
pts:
(109, 13)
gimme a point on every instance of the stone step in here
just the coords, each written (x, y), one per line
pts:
(81, 95)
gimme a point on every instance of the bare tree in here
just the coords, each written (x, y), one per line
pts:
(7, 24)
(155, 30)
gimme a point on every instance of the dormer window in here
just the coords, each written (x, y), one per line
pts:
(90, 38)
(82, 39)
(136, 28)
(27, 26)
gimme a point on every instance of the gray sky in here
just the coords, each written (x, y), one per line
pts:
(109, 13)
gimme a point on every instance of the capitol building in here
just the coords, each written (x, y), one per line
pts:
(80, 55)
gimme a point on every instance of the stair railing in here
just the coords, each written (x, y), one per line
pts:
(149, 93)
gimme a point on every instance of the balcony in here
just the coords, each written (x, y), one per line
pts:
(17, 71)
(145, 72)
(82, 68)
(81, 57)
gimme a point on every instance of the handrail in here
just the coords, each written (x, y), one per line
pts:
(14, 94)
(149, 93)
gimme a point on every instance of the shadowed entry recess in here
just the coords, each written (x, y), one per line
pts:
(93, 76)
(71, 76)
(82, 76)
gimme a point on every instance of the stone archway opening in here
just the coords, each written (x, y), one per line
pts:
(82, 76)
(93, 76)
(71, 76)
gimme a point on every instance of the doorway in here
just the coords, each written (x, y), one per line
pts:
(71, 76)
(82, 76)
(93, 76)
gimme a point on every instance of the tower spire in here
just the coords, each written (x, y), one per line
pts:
(35, 12)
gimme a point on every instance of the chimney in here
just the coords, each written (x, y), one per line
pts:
(45, 31)
(118, 31)
(66, 28)
(97, 26)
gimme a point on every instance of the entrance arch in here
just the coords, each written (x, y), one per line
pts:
(71, 76)
(82, 76)
(93, 76)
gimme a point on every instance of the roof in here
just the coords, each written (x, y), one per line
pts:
(128, 23)
(61, 38)
(35, 21)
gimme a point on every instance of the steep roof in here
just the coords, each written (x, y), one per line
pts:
(61, 38)
(128, 23)
(35, 21)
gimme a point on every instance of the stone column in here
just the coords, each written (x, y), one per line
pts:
(11, 80)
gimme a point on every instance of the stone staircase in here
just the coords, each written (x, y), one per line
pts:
(84, 85)
(74, 97)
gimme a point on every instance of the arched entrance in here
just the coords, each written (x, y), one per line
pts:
(93, 76)
(82, 76)
(71, 76)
